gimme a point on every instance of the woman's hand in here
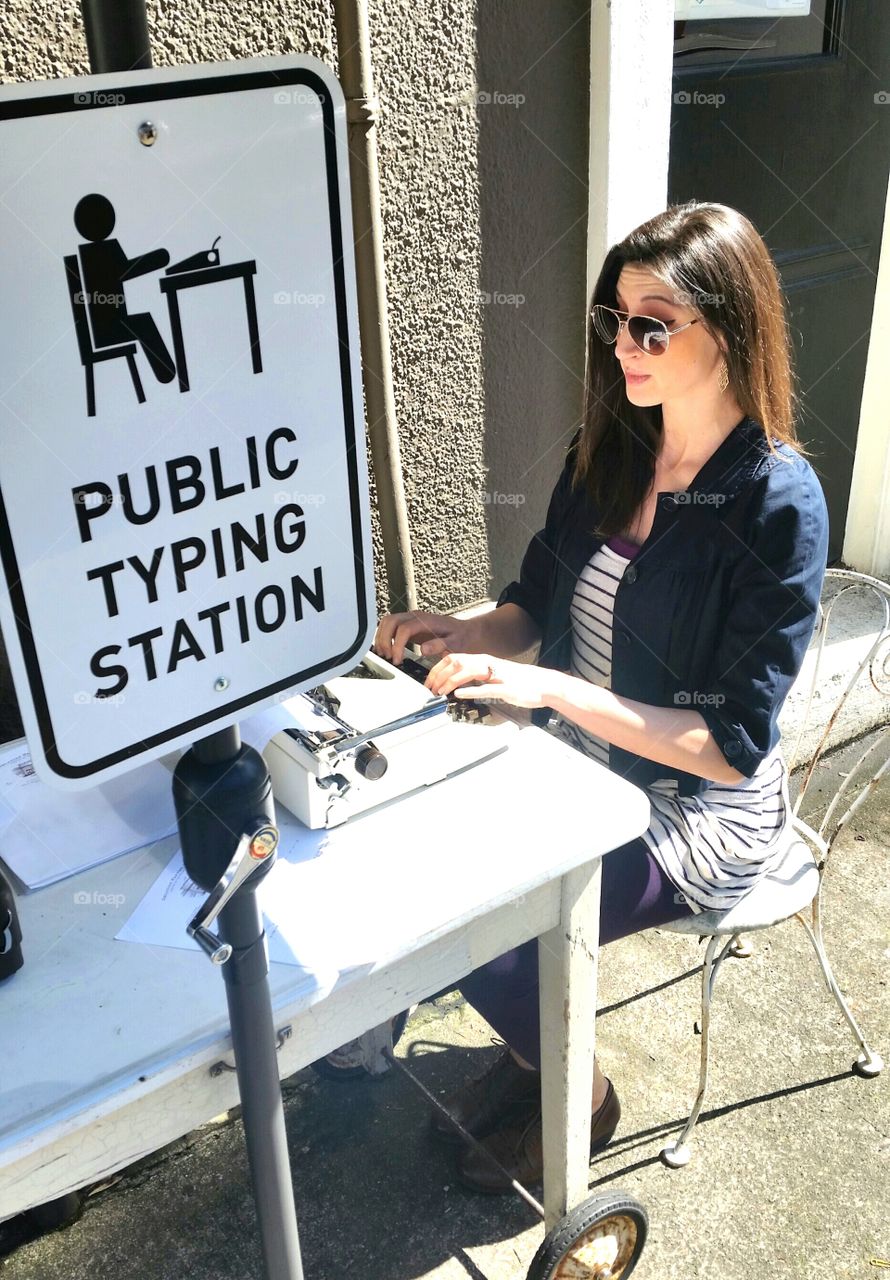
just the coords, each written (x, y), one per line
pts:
(519, 683)
(436, 633)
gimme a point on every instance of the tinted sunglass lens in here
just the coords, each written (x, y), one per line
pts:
(649, 334)
(606, 323)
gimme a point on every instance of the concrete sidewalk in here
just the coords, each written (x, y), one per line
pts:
(790, 1175)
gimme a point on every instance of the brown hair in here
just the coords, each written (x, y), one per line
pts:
(715, 256)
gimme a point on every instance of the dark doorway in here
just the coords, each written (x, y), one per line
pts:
(788, 119)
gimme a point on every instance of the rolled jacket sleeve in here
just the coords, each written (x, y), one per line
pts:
(771, 616)
(532, 590)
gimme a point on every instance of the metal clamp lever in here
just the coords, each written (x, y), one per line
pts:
(254, 848)
(434, 707)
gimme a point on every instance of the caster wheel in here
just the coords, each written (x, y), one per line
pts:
(601, 1239)
(868, 1065)
(340, 1064)
(56, 1213)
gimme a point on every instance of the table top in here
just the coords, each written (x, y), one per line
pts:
(87, 1015)
(207, 275)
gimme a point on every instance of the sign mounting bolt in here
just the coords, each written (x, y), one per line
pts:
(148, 133)
(221, 684)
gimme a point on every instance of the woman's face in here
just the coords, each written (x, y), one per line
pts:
(692, 361)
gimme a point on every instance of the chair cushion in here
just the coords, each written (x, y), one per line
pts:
(779, 894)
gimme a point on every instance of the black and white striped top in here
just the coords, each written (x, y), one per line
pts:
(715, 845)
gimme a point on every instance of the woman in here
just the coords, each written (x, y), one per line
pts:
(674, 591)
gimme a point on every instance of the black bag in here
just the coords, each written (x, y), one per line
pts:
(11, 958)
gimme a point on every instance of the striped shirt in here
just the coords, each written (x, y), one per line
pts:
(714, 846)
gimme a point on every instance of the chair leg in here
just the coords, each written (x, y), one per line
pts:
(868, 1063)
(677, 1153)
(91, 390)
(137, 381)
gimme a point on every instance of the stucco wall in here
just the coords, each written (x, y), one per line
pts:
(483, 162)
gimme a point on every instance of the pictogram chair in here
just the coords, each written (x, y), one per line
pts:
(90, 355)
(793, 890)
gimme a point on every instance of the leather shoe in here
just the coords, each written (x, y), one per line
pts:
(518, 1146)
(482, 1104)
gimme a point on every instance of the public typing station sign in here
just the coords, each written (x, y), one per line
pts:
(184, 517)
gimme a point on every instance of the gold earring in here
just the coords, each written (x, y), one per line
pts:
(723, 376)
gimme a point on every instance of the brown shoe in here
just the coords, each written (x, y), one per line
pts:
(482, 1104)
(518, 1146)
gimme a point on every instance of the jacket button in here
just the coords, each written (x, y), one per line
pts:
(630, 575)
(732, 746)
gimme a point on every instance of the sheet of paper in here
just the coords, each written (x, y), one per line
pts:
(47, 835)
(292, 927)
(258, 729)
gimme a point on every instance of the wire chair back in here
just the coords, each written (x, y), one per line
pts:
(876, 662)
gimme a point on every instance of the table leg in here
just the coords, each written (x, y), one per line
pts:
(252, 326)
(567, 963)
(178, 344)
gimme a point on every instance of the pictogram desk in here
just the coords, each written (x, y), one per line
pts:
(172, 285)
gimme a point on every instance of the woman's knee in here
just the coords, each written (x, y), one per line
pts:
(512, 973)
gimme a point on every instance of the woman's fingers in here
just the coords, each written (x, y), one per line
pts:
(397, 630)
(434, 648)
(458, 669)
(387, 631)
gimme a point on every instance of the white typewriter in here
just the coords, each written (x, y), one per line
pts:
(363, 738)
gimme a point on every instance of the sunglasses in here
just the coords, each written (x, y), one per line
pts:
(650, 335)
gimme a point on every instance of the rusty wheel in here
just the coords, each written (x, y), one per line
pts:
(601, 1239)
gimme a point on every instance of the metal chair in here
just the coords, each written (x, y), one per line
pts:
(796, 884)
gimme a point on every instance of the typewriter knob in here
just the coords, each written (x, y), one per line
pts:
(371, 763)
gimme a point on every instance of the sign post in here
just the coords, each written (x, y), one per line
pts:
(184, 514)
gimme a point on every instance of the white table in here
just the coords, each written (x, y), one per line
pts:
(108, 1046)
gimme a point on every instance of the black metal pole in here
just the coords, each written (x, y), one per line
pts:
(221, 788)
(117, 34)
(254, 1042)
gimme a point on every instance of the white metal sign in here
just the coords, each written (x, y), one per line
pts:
(184, 515)
(708, 10)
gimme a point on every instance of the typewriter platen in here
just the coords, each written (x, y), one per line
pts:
(376, 733)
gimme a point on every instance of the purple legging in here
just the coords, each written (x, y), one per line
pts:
(636, 895)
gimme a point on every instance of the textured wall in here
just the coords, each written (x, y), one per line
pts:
(483, 161)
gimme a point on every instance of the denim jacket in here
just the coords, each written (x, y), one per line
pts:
(717, 608)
